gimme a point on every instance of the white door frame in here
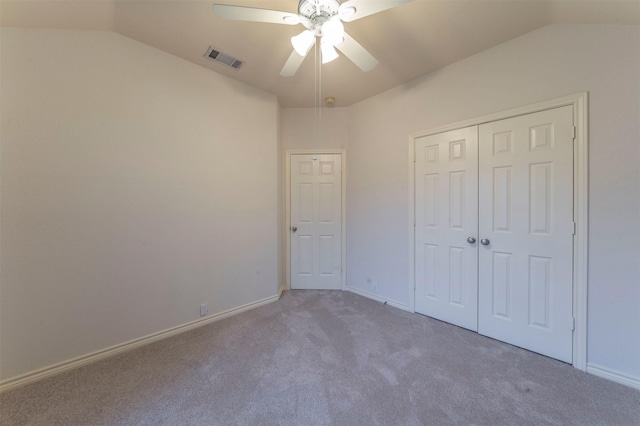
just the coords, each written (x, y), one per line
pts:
(287, 225)
(579, 101)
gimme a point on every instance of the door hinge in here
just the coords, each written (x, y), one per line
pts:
(574, 228)
(573, 325)
(575, 132)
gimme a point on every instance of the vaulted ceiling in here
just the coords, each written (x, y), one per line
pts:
(409, 41)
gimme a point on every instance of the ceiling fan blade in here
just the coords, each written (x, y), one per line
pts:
(354, 9)
(358, 54)
(291, 66)
(241, 13)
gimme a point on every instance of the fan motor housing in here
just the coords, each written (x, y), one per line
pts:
(314, 13)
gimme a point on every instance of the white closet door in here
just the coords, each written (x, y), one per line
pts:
(446, 185)
(526, 231)
(316, 222)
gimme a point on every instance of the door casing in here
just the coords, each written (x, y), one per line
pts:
(287, 227)
(579, 102)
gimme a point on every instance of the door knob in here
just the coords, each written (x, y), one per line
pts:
(294, 229)
(485, 242)
(471, 240)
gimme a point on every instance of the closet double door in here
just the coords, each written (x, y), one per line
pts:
(494, 229)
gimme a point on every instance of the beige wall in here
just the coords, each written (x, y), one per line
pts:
(132, 191)
(552, 62)
(305, 128)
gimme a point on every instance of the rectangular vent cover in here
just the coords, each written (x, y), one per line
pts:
(223, 58)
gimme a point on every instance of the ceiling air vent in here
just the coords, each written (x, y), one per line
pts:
(223, 58)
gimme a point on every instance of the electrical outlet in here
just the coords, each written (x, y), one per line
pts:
(204, 309)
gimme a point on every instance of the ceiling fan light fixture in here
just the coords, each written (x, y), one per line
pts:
(333, 32)
(321, 18)
(303, 42)
(328, 52)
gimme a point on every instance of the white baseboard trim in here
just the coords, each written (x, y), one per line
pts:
(613, 375)
(377, 297)
(80, 361)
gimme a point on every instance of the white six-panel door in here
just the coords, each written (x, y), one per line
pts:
(511, 189)
(446, 253)
(316, 221)
(526, 218)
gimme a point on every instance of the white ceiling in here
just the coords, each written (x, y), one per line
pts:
(410, 40)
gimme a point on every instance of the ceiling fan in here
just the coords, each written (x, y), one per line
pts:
(322, 19)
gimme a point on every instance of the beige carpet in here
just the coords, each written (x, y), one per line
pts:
(324, 358)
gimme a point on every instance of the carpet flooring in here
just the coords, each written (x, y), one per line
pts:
(326, 358)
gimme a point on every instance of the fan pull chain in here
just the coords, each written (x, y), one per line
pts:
(319, 97)
(315, 93)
